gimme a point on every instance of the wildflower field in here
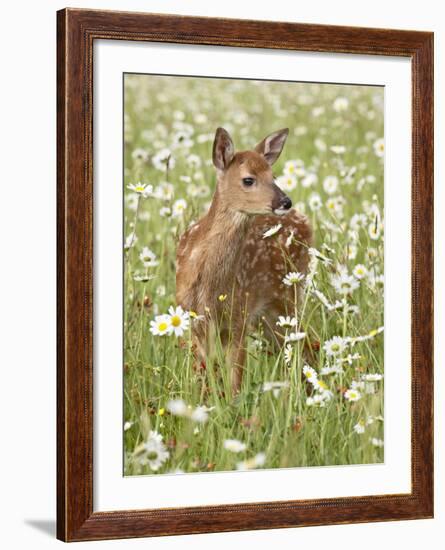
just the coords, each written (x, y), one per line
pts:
(296, 408)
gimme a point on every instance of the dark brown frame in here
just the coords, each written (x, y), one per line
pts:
(76, 32)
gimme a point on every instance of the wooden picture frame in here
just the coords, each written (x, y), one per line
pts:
(76, 32)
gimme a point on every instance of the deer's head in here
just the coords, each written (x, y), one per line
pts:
(245, 179)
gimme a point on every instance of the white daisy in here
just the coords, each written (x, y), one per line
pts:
(139, 155)
(330, 184)
(360, 271)
(358, 221)
(130, 241)
(352, 395)
(161, 325)
(377, 442)
(344, 284)
(294, 337)
(338, 149)
(359, 428)
(143, 189)
(272, 231)
(179, 320)
(178, 208)
(287, 322)
(153, 452)
(372, 377)
(340, 104)
(309, 180)
(379, 147)
(148, 257)
(286, 182)
(293, 278)
(162, 158)
(164, 191)
(294, 168)
(274, 387)
(234, 445)
(315, 202)
(165, 212)
(310, 374)
(194, 161)
(288, 351)
(374, 231)
(256, 462)
(177, 407)
(335, 346)
(200, 414)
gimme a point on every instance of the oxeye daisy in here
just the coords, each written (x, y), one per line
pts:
(294, 337)
(359, 428)
(257, 461)
(372, 377)
(374, 231)
(310, 374)
(360, 271)
(338, 149)
(272, 231)
(274, 387)
(139, 155)
(330, 184)
(352, 395)
(315, 202)
(153, 452)
(294, 168)
(200, 415)
(234, 445)
(287, 322)
(177, 407)
(161, 325)
(344, 283)
(309, 180)
(286, 182)
(288, 351)
(178, 208)
(379, 147)
(164, 191)
(141, 188)
(293, 278)
(179, 320)
(148, 257)
(340, 104)
(335, 346)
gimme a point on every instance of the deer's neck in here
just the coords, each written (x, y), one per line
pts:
(223, 232)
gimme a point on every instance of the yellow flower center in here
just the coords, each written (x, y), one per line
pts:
(335, 347)
(176, 321)
(162, 326)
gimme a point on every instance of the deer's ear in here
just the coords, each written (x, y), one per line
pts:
(223, 149)
(272, 145)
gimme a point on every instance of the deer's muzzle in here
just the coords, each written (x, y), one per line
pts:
(281, 203)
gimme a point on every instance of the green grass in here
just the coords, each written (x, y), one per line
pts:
(285, 427)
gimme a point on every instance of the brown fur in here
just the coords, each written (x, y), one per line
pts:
(225, 253)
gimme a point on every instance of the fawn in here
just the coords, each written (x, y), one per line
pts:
(225, 253)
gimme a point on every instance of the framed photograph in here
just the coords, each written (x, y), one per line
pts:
(245, 264)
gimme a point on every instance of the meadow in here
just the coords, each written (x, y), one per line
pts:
(293, 410)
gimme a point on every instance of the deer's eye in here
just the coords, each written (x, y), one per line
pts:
(248, 181)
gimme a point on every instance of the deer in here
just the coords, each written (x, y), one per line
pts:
(227, 273)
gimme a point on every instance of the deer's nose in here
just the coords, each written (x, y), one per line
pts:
(286, 203)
